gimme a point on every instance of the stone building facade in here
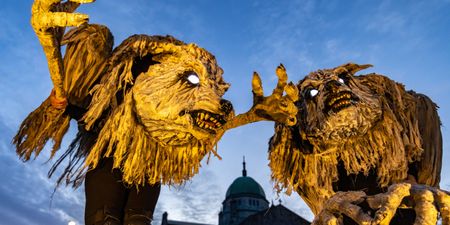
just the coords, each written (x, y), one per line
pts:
(246, 204)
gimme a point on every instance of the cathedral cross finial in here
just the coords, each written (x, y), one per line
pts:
(244, 171)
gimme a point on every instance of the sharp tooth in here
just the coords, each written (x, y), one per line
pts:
(202, 116)
(206, 116)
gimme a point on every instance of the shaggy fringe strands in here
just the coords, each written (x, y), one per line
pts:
(389, 146)
(99, 89)
(143, 160)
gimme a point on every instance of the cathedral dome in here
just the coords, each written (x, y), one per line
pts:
(245, 186)
(244, 198)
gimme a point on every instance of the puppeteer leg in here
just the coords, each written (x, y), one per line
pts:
(105, 195)
(110, 202)
(141, 204)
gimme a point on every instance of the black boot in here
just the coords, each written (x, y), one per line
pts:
(103, 217)
(137, 217)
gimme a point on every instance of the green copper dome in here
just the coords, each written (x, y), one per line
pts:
(245, 187)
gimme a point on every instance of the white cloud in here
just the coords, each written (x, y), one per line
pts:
(28, 190)
(296, 33)
(387, 22)
(199, 200)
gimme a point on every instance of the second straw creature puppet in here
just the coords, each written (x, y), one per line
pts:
(148, 112)
(363, 150)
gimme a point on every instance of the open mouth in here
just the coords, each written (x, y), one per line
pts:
(207, 120)
(339, 101)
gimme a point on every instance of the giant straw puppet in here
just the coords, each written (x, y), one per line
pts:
(364, 150)
(148, 111)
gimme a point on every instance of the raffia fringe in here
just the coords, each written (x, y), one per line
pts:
(139, 158)
(314, 174)
(41, 125)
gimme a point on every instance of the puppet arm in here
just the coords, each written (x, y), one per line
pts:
(426, 201)
(276, 107)
(48, 19)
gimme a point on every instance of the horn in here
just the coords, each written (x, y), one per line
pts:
(351, 68)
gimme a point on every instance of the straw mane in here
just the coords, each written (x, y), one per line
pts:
(110, 93)
(381, 133)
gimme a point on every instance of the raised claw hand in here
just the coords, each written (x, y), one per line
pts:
(54, 13)
(276, 107)
(427, 202)
(48, 19)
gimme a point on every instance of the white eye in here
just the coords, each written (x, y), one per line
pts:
(341, 80)
(193, 79)
(313, 92)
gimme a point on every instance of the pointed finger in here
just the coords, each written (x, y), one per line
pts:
(282, 78)
(45, 4)
(426, 213)
(62, 19)
(291, 91)
(257, 88)
(444, 205)
(395, 195)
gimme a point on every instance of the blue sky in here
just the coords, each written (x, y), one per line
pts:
(408, 41)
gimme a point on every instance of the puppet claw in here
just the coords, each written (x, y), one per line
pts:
(426, 213)
(276, 107)
(343, 203)
(257, 88)
(281, 73)
(282, 78)
(291, 91)
(427, 202)
(48, 19)
(43, 21)
(443, 200)
(390, 201)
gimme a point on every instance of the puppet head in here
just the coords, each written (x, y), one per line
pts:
(335, 106)
(361, 124)
(157, 110)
